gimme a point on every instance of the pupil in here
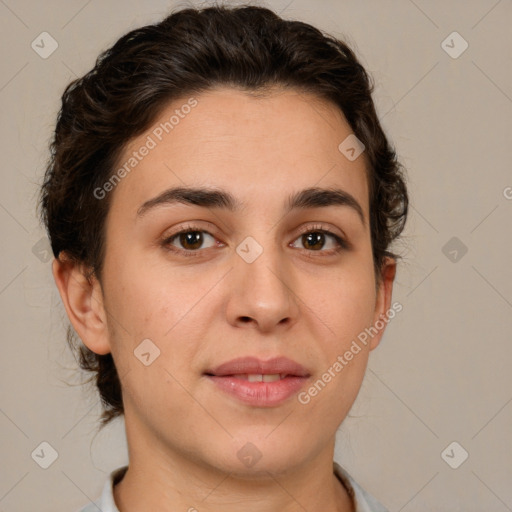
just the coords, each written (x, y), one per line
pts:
(311, 237)
(191, 238)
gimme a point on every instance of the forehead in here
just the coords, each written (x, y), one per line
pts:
(259, 147)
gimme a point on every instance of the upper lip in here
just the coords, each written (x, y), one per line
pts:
(255, 366)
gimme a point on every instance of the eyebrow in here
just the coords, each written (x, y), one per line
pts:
(314, 197)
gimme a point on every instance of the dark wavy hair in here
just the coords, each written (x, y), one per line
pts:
(191, 51)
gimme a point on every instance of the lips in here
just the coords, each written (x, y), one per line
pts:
(244, 366)
(259, 383)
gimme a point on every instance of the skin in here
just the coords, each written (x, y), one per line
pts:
(294, 300)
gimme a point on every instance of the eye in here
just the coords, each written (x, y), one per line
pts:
(314, 239)
(190, 238)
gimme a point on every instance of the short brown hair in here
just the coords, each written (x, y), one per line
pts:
(188, 52)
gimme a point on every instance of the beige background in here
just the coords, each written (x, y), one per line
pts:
(442, 372)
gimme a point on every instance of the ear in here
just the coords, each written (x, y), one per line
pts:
(383, 300)
(83, 299)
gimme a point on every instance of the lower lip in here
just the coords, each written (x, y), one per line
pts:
(260, 394)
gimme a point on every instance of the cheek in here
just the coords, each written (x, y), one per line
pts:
(347, 309)
(348, 302)
(148, 325)
(151, 302)
(140, 297)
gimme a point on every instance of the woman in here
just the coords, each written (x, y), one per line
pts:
(220, 200)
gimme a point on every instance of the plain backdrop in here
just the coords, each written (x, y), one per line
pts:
(442, 372)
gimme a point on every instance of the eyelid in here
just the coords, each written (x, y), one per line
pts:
(321, 227)
(340, 239)
(191, 226)
(188, 227)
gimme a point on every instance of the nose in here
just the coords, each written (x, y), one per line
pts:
(262, 291)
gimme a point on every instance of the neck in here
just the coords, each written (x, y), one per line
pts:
(166, 480)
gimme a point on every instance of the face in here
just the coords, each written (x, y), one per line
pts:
(255, 278)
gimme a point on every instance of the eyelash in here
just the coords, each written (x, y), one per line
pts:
(342, 244)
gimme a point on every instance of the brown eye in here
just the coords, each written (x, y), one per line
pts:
(315, 241)
(189, 240)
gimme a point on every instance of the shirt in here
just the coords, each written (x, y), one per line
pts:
(363, 500)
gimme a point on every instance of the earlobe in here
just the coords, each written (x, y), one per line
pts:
(83, 300)
(383, 299)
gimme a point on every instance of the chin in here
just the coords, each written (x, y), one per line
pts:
(255, 456)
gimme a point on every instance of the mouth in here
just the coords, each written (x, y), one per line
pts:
(257, 382)
(253, 367)
(255, 377)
